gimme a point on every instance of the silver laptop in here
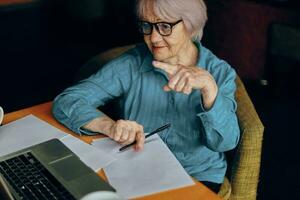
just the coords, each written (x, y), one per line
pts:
(48, 170)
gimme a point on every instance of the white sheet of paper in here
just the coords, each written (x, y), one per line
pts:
(25, 132)
(107, 145)
(90, 155)
(31, 130)
(135, 174)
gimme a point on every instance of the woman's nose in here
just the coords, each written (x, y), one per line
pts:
(155, 36)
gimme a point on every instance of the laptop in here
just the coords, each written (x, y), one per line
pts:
(48, 170)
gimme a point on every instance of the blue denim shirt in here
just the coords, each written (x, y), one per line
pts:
(197, 137)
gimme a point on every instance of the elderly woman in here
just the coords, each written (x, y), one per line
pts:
(171, 78)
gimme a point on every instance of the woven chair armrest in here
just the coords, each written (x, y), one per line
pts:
(246, 163)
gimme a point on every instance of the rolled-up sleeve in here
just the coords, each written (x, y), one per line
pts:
(77, 105)
(221, 130)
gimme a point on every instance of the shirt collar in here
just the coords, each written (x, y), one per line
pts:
(200, 52)
(147, 62)
(147, 65)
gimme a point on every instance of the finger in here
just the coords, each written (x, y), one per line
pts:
(170, 69)
(131, 137)
(181, 84)
(187, 90)
(140, 139)
(181, 80)
(125, 134)
(173, 81)
(167, 88)
(117, 133)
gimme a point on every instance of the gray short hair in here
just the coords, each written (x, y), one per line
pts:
(192, 12)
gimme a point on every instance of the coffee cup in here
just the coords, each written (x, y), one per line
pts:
(1, 114)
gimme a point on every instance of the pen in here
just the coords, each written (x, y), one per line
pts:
(148, 135)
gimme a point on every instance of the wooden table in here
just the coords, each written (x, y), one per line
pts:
(43, 111)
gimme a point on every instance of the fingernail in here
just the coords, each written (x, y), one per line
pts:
(167, 88)
(137, 149)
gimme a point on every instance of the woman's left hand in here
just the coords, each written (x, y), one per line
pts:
(184, 79)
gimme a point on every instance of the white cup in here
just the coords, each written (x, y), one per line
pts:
(1, 114)
(102, 195)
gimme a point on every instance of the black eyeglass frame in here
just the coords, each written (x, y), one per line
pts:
(157, 27)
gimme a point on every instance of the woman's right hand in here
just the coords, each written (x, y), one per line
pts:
(126, 132)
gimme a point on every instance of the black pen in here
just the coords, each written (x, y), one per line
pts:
(148, 135)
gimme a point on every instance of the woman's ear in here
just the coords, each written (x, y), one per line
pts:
(189, 32)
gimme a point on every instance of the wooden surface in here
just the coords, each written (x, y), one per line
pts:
(43, 111)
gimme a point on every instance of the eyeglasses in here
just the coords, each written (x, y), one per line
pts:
(163, 28)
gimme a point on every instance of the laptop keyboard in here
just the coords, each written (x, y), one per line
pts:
(31, 180)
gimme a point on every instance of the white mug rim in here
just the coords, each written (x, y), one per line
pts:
(1, 114)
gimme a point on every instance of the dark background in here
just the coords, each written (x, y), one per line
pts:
(43, 43)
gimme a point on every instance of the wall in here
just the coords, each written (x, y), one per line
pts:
(44, 42)
(237, 30)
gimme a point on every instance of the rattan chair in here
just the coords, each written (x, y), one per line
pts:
(243, 172)
(244, 161)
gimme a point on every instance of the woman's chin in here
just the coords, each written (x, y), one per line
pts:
(159, 56)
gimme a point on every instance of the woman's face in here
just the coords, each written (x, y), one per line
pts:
(166, 47)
